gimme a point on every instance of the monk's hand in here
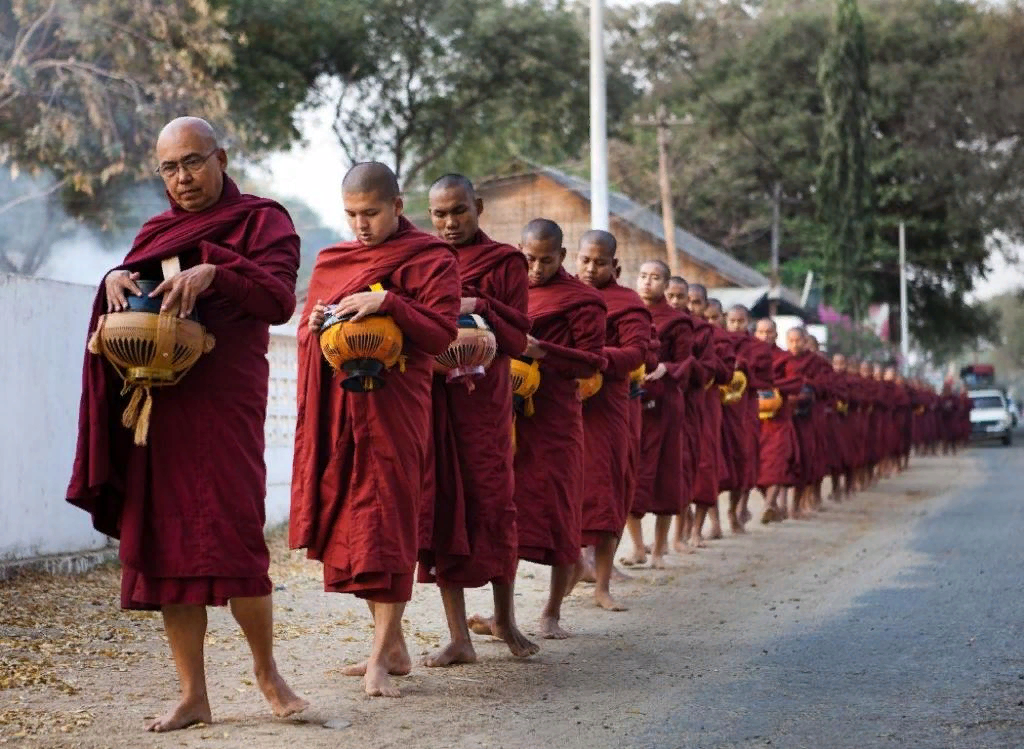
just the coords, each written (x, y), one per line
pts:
(184, 288)
(657, 374)
(117, 285)
(317, 316)
(468, 305)
(361, 305)
(533, 348)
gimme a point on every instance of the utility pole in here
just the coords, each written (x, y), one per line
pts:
(664, 124)
(904, 312)
(776, 236)
(598, 121)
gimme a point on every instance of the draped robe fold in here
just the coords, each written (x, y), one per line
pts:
(467, 535)
(779, 455)
(568, 319)
(609, 463)
(360, 458)
(188, 507)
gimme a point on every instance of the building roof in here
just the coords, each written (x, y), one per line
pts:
(650, 222)
(759, 300)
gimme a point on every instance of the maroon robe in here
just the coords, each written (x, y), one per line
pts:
(609, 465)
(739, 421)
(661, 479)
(718, 361)
(468, 533)
(779, 455)
(188, 507)
(805, 369)
(569, 321)
(360, 458)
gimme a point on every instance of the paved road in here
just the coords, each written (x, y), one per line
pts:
(929, 654)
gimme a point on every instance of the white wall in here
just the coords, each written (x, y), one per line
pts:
(42, 341)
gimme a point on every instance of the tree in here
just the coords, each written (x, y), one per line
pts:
(843, 196)
(285, 54)
(86, 85)
(947, 85)
(447, 74)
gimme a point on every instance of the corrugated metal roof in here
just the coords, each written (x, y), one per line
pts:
(650, 222)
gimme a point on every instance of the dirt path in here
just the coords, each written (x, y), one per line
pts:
(77, 672)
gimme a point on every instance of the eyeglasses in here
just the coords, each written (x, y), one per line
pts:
(191, 164)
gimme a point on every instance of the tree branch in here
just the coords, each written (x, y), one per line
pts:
(33, 196)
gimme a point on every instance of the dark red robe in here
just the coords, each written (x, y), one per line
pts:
(740, 424)
(805, 369)
(468, 533)
(188, 507)
(661, 481)
(779, 454)
(360, 458)
(568, 319)
(718, 361)
(609, 463)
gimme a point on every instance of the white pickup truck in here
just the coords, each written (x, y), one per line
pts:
(990, 417)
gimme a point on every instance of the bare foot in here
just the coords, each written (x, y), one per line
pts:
(620, 576)
(605, 601)
(697, 542)
(187, 713)
(283, 701)
(679, 547)
(517, 642)
(589, 574)
(453, 652)
(396, 661)
(634, 559)
(770, 515)
(657, 562)
(377, 682)
(736, 527)
(716, 534)
(550, 629)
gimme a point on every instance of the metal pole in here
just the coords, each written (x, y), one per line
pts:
(904, 312)
(776, 232)
(598, 124)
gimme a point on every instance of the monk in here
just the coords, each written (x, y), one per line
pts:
(802, 366)
(661, 478)
(778, 449)
(609, 467)
(189, 508)
(468, 532)
(678, 296)
(718, 359)
(741, 425)
(822, 411)
(841, 432)
(567, 336)
(360, 457)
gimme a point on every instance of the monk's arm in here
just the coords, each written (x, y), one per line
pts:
(427, 317)
(634, 330)
(504, 306)
(262, 281)
(586, 324)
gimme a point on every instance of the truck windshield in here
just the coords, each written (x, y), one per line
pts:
(987, 401)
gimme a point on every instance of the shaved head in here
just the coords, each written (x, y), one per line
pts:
(737, 320)
(696, 288)
(454, 182)
(600, 238)
(766, 330)
(371, 178)
(196, 127)
(542, 230)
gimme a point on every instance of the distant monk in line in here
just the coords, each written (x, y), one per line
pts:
(778, 449)
(661, 481)
(189, 508)
(360, 458)
(568, 327)
(468, 533)
(609, 468)
(713, 350)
